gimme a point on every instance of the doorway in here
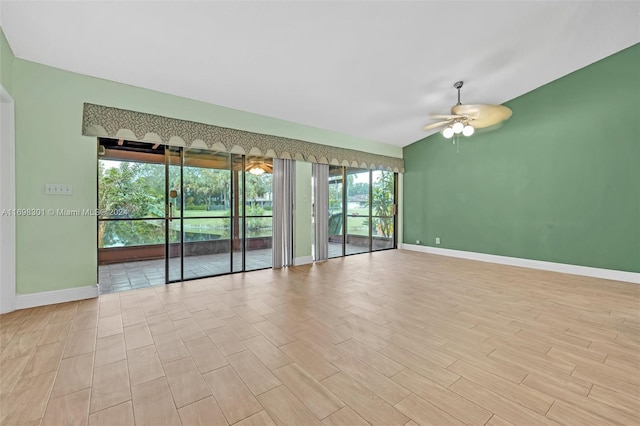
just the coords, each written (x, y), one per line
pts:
(169, 214)
(362, 211)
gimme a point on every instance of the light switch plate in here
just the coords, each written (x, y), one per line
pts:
(58, 189)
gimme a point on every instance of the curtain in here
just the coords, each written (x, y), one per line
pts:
(283, 193)
(320, 177)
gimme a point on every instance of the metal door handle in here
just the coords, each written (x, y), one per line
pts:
(169, 211)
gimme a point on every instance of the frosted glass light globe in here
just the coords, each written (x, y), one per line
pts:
(468, 130)
(447, 133)
(457, 127)
(256, 171)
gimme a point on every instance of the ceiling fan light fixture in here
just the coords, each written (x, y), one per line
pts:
(458, 121)
(256, 171)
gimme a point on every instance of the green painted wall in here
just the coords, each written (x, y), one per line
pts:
(6, 64)
(559, 182)
(302, 233)
(400, 204)
(55, 253)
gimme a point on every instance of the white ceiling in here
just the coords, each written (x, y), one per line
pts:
(368, 69)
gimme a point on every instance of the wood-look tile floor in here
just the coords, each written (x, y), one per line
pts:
(389, 338)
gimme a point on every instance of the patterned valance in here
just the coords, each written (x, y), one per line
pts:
(108, 122)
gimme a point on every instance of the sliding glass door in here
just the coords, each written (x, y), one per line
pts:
(362, 210)
(173, 214)
(205, 214)
(258, 215)
(358, 212)
(131, 217)
(183, 214)
(336, 211)
(383, 210)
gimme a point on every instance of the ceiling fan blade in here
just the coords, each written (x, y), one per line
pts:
(488, 129)
(483, 115)
(444, 116)
(436, 125)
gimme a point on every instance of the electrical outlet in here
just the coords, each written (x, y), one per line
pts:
(418, 242)
(437, 240)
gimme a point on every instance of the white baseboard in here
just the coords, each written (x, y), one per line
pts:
(303, 260)
(609, 274)
(24, 301)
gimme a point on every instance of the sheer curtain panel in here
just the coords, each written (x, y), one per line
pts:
(320, 176)
(284, 174)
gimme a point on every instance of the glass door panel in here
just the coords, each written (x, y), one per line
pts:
(206, 217)
(258, 213)
(237, 213)
(131, 228)
(358, 212)
(365, 201)
(173, 210)
(336, 212)
(383, 210)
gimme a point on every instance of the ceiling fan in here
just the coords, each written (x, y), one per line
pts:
(257, 166)
(466, 119)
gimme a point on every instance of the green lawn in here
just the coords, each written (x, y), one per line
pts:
(220, 225)
(130, 233)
